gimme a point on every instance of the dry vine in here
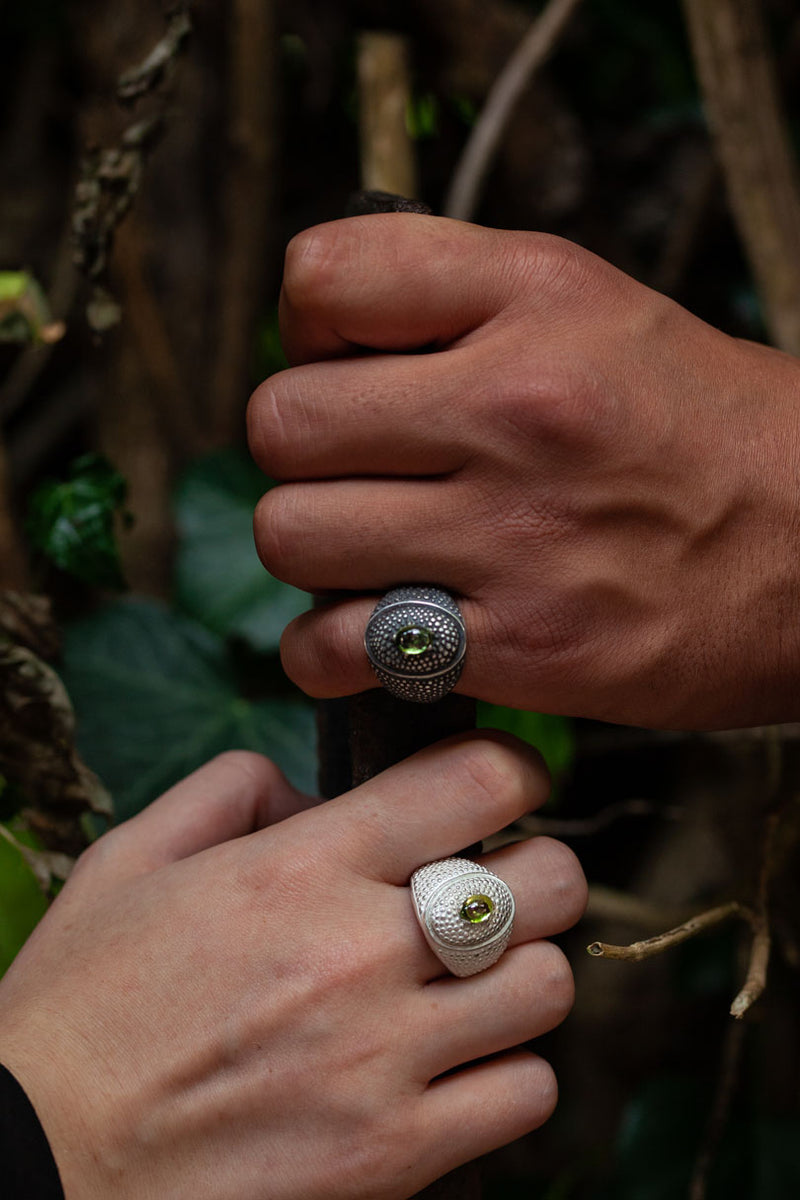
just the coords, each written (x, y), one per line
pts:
(110, 178)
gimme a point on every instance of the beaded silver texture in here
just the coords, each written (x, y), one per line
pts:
(440, 891)
(420, 675)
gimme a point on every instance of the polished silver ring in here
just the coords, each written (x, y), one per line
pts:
(466, 913)
(416, 642)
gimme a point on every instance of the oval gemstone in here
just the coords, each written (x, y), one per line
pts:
(477, 908)
(413, 640)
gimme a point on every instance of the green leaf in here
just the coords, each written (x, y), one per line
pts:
(22, 902)
(24, 311)
(422, 116)
(73, 523)
(553, 737)
(156, 697)
(219, 579)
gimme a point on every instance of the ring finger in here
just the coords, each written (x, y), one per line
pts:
(549, 890)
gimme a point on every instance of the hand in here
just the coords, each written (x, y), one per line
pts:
(609, 483)
(214, 1009)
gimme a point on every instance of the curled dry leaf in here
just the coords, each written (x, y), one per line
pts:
(47, 865)
(27, 619)
(37, 727)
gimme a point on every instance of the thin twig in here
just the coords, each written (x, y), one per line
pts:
(506, 91)
(588, 826)
(638, 951)
(756, 979)
(534, 825)
(715, 1127)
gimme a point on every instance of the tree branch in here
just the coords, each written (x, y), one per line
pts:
(739, 84)
(533, 50)
(715, 1127)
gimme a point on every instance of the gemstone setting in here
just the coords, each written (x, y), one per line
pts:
(413, 640)
(477, 908)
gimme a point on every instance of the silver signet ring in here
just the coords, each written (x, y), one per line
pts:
(416, 642)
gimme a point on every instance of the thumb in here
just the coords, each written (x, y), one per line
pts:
(232, 795)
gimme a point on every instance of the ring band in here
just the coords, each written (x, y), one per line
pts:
(465, 911)
(416, 642)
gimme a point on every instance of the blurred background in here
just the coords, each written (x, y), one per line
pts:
(155, 161)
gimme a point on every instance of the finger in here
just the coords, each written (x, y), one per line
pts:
(549, 885)
(485, 1106)
(391, 282)
(231, 796)
(549, 889)
(369, 416)
(528, 993)
(360, 534)
(323, 651)
(436, 802)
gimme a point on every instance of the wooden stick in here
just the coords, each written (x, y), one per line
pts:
(362, 735)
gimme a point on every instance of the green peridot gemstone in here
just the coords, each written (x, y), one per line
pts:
(477, 908)
(413, 640)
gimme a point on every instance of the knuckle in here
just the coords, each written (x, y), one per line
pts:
(567, 888)
(93, 858)
(491, 768)
(311, 266)
(558, 404)
(259, 772)
(511, 774)
(553, 262)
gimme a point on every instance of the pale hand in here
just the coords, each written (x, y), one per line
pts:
(217, 1010)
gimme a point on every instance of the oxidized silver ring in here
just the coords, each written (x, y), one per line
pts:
(416, 642)
(466, 913)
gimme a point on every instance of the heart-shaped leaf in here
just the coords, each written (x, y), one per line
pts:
(156, 696)
(219, 579)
